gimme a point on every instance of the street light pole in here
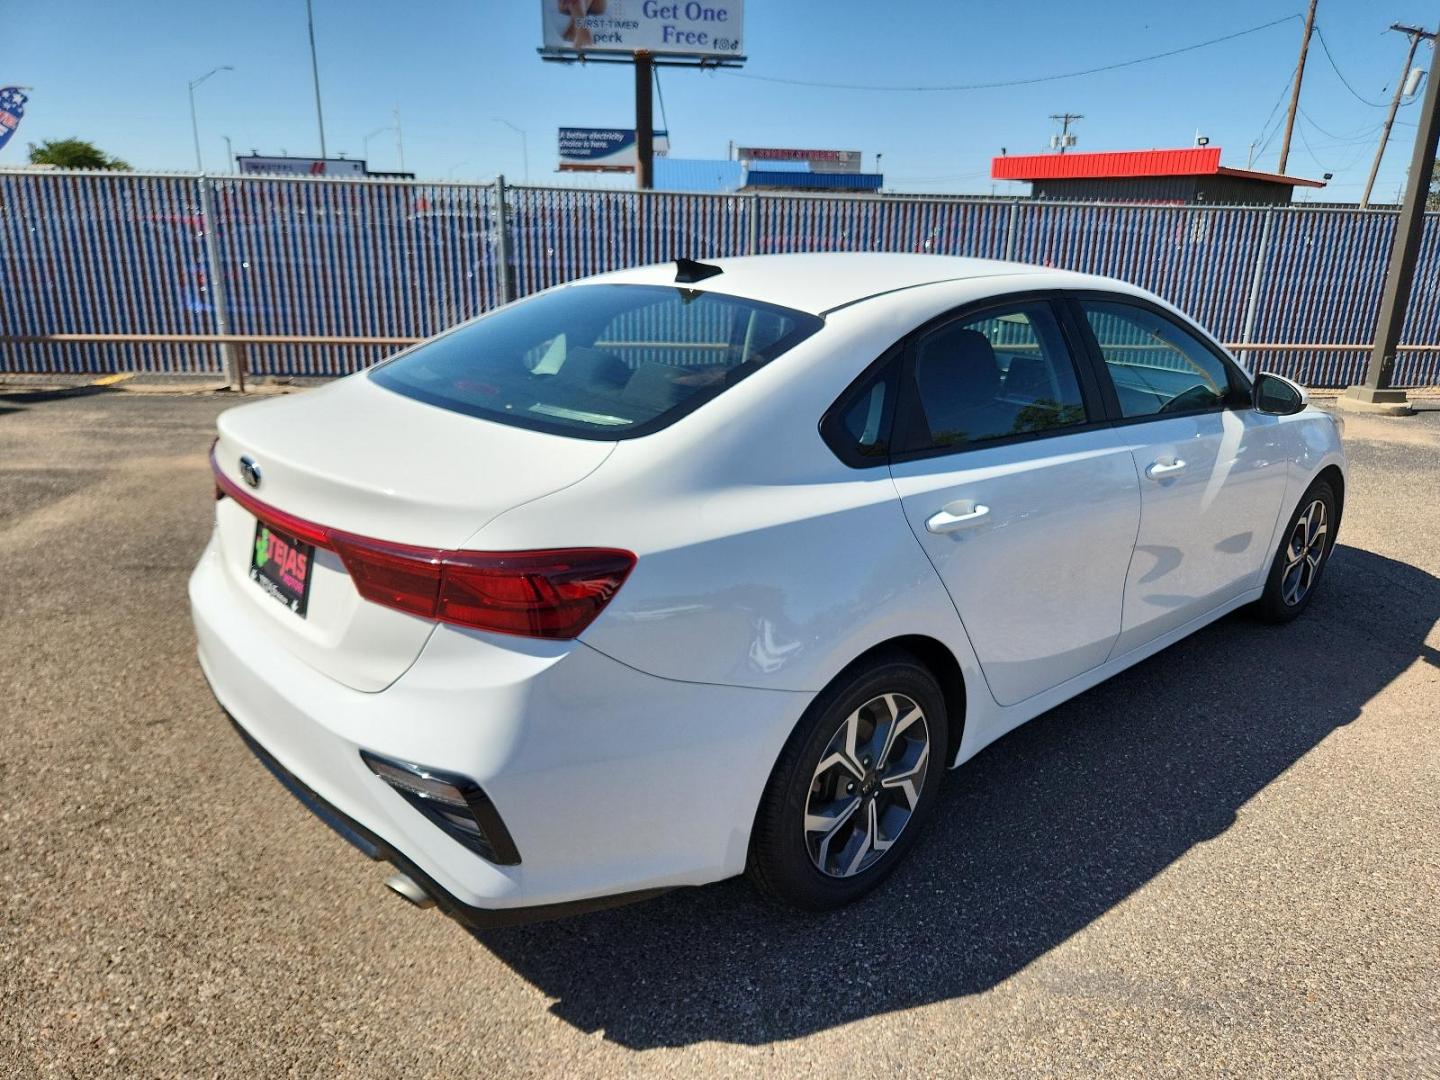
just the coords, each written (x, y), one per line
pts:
(524, 142)
(315, 74)
(194, 122)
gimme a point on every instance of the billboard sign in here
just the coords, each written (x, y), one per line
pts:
(692, 28)
(12, 108)
(827, 161)
(603, 149)
(300, 166)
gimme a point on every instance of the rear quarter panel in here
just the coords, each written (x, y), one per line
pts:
(763, 560)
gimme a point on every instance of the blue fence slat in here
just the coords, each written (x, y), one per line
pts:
(101, 254)
(127, 253)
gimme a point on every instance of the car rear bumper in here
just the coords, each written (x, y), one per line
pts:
(610, 781)
(374, 847)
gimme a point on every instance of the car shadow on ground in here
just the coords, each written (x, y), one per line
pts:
(1035, 838)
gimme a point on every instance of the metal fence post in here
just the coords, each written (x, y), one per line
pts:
(215, 285)
(1010, 221)
(506, 276)
(1252, 305)
(754, 223)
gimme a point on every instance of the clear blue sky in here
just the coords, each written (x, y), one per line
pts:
(115, 71)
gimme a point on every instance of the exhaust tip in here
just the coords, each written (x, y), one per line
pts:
(402, 885)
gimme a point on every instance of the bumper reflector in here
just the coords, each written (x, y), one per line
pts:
(455, 804)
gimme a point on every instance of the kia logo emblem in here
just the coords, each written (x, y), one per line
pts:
(250, 471)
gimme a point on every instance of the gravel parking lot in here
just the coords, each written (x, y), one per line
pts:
(1225, 861)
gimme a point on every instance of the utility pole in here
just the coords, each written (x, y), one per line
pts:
(644, 121)
(1295, 92)
(1065, 139)
(315, 74)
(1414, 33)
(1404, 253)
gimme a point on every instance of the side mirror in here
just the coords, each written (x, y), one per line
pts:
(1278, 396)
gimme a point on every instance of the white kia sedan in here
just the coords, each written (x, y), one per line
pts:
(700, 569)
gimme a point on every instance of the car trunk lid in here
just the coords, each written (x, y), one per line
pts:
(355, 457)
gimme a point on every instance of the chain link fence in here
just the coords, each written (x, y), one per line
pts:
(340, 261)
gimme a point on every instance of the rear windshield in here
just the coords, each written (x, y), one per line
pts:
(598, 361)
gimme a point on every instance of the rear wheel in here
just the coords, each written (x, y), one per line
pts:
(853, 786)
(1304, 551)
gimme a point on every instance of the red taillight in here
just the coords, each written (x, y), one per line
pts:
(550, 594)
(547, 594)
(399, 577)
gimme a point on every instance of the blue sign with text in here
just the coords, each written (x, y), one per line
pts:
(603, 149)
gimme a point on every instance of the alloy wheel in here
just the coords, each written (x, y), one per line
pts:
(1304, 552)
(867, 785)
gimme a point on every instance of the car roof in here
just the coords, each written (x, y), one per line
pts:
(822, 282)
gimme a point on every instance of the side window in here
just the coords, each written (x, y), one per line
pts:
(1157, 367)
(858, 429)
(1002, 373)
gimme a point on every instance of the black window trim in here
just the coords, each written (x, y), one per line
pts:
(1239, 397)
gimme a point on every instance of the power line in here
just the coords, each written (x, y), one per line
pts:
(1263, 139)
(1355, 93)
(1359, 135)
(661, 95)
(1013, 82)
(1306, 143)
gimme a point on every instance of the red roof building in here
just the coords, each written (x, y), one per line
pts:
(1188, 175)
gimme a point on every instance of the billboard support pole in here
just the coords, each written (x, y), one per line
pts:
(1375, 393)
(644, 121)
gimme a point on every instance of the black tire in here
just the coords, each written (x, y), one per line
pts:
(1280, 602)
(781, 862)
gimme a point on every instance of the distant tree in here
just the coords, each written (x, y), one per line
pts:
(1432, 201)
(73, 154)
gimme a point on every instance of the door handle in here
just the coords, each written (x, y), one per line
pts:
(945, 521)
(1158, 470)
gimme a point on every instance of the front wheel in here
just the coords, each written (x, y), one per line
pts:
(1304, 551)
(854, 784)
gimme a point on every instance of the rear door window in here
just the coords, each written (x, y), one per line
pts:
(598, 361)
(1002, 373)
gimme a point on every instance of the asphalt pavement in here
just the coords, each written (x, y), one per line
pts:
(1223, 862)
